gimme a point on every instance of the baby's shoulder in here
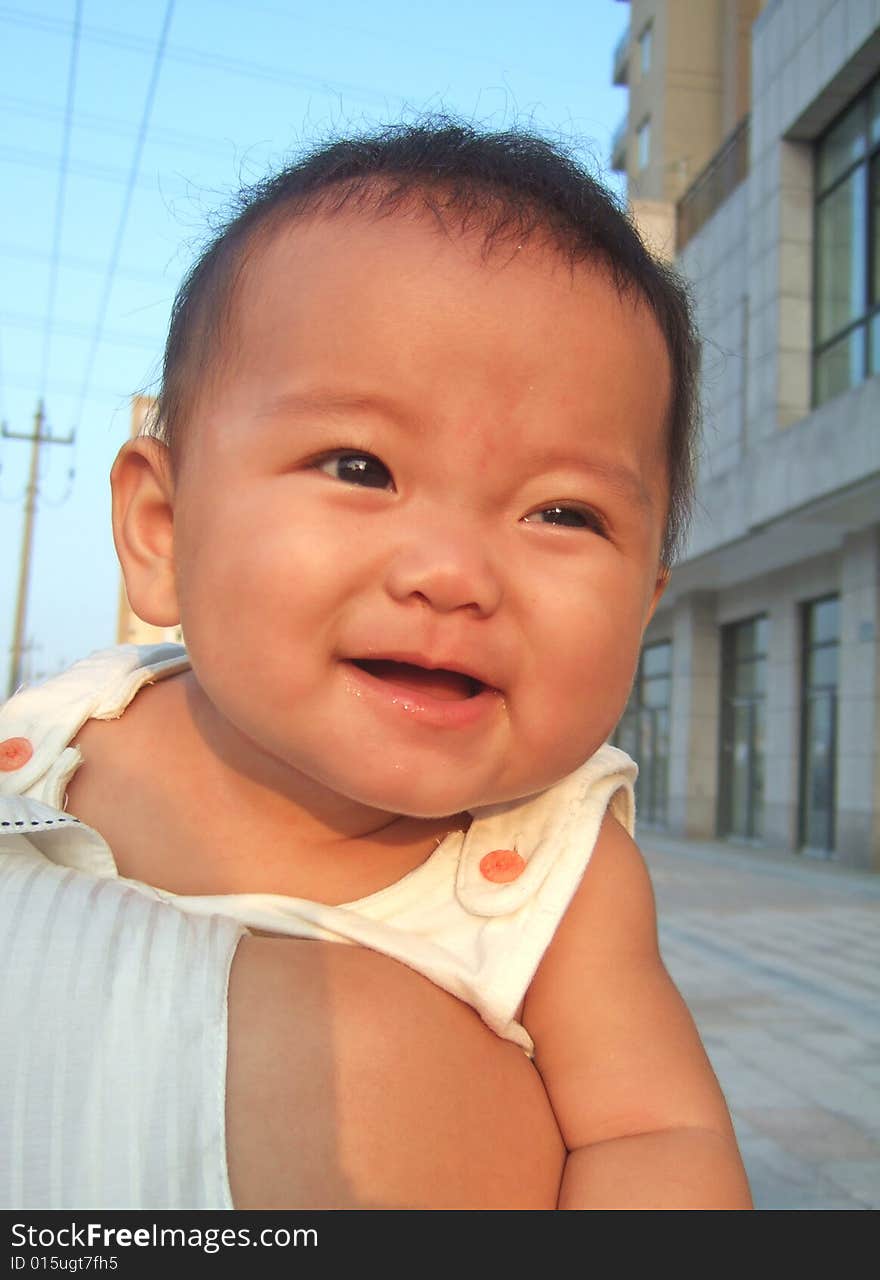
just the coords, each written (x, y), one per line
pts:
(608, 929)
(76, 747)
(40, 723)
(613, 905)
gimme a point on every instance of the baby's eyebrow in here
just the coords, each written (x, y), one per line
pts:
(616, 475)
(329, 402)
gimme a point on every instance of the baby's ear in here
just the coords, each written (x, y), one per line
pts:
(659, 587)
(143, 528)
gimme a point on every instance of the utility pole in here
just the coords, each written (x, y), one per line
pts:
(36, 438)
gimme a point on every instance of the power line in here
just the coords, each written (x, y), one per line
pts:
(389, 40)
(177, 138)
(85, 169)
(208, 61)
(23, 253)
(126, 204)
(59, 201)
(10, 499)
(121, 398)
(394, 42)
(70, 329)
(37, 438)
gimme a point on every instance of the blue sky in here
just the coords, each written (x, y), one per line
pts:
(126, 124)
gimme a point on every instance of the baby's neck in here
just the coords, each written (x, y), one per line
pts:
(168, 793)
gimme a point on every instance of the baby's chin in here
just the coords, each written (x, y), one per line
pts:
(431, 805)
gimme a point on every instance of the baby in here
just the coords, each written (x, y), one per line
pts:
(420, 466)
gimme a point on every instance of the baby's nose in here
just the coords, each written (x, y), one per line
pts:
(447, 569)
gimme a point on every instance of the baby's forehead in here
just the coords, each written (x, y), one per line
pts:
(379, 235)
(319, 255)
(346, 302)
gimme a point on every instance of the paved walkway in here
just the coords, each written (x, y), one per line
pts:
(779, 960)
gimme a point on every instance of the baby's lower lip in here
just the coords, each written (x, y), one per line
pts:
(447, 708)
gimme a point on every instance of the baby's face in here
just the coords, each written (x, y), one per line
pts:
(417, 528)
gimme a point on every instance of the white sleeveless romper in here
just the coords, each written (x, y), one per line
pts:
(113, 1007)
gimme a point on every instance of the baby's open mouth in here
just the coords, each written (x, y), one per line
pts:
(433, 682)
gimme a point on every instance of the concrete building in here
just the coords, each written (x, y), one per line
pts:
(752, 149)
(687, 67)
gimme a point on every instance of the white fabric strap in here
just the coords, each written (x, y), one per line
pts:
(49, 715)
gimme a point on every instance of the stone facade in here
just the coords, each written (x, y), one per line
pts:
(788, 495)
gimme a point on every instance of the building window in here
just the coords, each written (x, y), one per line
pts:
(821, 643)
(643, 143)
(645, 41)
(847, 237)
(743, 689)
(643, 731)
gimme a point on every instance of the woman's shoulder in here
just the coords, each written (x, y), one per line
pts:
(114, 1007)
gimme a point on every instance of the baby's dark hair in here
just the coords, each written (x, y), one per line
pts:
(507, 186)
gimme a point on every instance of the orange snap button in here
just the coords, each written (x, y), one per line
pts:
(14, 752)
(502, 865)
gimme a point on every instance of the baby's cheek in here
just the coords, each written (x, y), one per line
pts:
(592, 683)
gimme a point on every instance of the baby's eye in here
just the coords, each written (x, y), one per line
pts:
(356, 468)
(568, 518)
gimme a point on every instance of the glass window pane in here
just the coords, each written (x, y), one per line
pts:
(645, 49)
(751, 679)
(751, 638)
(744, 680)
(744, 640)
(874, 112)
(843, 145)
(645, 755)
(759, 679)
(840, 367)
(656, 659)
(757, 814)
(655, 693)
(742, 748)
(840, 283)
(824, 621)
(662, 749)
(653, 784)
(643, 144)
(819, 779)
(875, 344)
(875, 229)
(762, 634)
(822, 667)
(740, 772)
(627, 735)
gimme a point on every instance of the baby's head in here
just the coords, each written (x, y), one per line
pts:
(507, 188)
(423, 459)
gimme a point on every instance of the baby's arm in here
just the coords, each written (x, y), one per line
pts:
(637, 1103)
